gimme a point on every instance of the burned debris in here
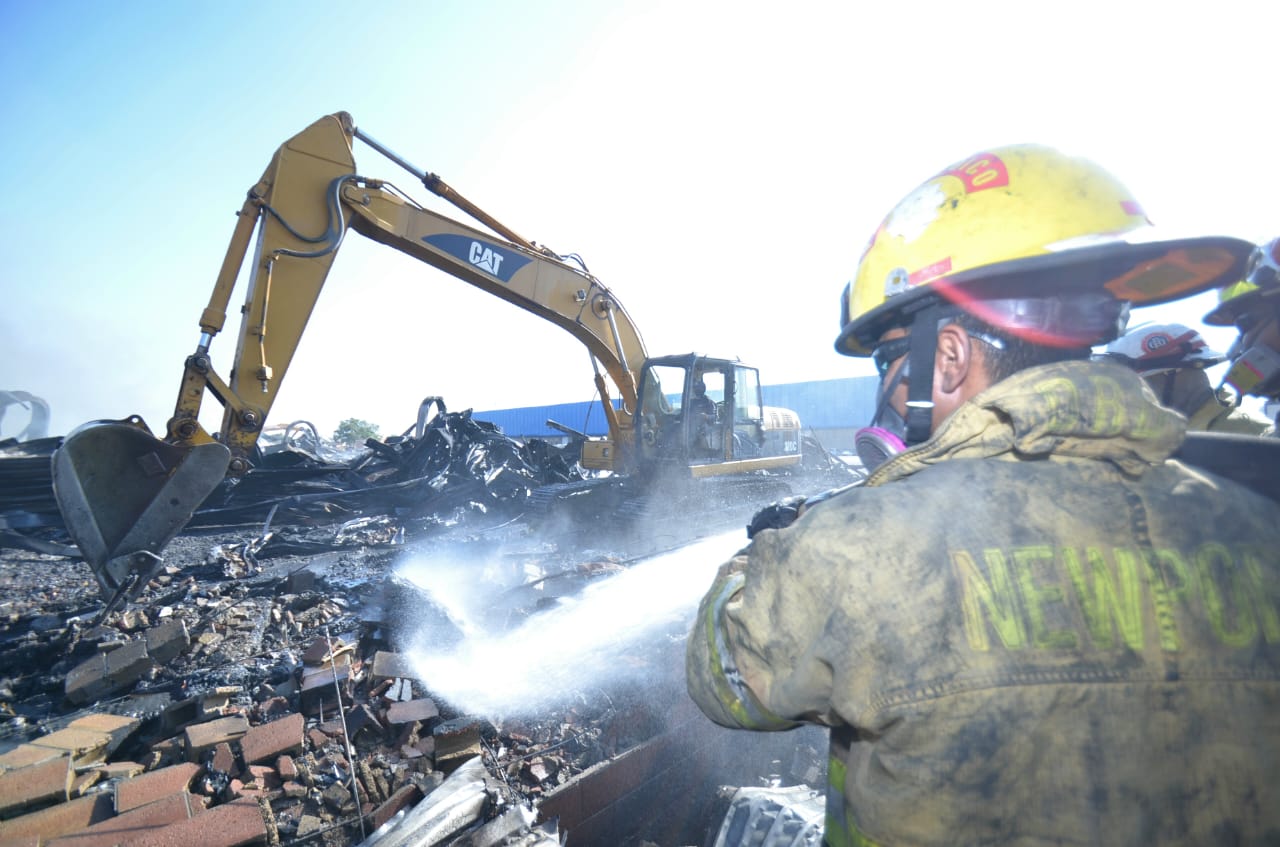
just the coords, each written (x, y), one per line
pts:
(285, 702)
(268, 684)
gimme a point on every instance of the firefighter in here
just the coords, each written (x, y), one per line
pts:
(1172, 358)
(1027, 626)
(1252, 305)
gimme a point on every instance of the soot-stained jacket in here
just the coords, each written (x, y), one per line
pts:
(1032, 629)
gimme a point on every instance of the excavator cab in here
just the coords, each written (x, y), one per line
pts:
(708, 415)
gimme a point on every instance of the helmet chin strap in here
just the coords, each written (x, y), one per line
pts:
(924, 348)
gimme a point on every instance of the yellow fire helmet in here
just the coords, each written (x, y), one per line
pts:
(1046, 246)
(1262, 273)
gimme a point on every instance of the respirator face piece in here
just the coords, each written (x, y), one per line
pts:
(886, 436)
(1255, 371)
(1255, 361)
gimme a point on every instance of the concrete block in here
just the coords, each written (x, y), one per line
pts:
(149, 787)
(455, 742)
(338, 798)
(270, 740)
(319, 690)
(391, 666)
(128, 664)
(108, 673)
(300, 581)
(205, 736)
(414, 710)
(168, 640)
(87, 681)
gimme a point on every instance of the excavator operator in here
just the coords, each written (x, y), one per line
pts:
(1029, 625)
(1252, 305)
(702, 413)
(1172, 359)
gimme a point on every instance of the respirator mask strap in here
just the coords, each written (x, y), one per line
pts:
(924, 347)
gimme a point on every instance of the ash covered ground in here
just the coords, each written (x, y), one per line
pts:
(395, 664)
(415, 640)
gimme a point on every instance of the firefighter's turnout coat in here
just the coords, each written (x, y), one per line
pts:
(1034, 628)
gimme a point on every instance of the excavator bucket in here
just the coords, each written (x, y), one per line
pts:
(124, 494)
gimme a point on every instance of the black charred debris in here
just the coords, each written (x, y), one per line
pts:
(261, 676)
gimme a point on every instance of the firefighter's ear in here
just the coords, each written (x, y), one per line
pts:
(953, 363)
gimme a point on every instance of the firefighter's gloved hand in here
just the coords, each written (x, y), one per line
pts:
(776, 515)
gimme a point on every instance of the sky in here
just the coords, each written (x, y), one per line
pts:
(718, 165)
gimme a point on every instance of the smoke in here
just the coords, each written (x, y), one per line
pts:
(583, 642)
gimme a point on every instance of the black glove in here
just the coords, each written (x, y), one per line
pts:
(776, 515)
(785, 511)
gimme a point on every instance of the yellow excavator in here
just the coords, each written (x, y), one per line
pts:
(124, 493)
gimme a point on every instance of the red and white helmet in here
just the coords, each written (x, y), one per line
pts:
(1155, 348)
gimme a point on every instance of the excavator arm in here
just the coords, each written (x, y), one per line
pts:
(305, 203)
(124, 494)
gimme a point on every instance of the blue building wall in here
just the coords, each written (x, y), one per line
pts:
(830, 405)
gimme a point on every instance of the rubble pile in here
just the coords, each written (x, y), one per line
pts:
(273, 707)
(260, 689)
(447, 468)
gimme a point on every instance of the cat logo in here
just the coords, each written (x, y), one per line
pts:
(482, 255)
(485, 258)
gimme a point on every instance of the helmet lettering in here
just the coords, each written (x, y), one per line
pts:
(980, 171)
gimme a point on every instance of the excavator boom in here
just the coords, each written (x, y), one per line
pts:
(301, 209)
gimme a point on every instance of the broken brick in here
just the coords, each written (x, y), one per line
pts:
(58, 820)
(241, 821)
(117, 727)
(323, 652)
(36, 785)
(404, 797)
(120, 770)
(25, 755)
(223, 761)
(82, 782)
(269, 740)
(125, 828)
(82, 745)
(286, 768)
(149, 787)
